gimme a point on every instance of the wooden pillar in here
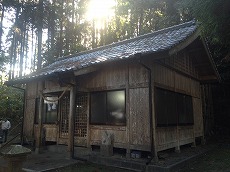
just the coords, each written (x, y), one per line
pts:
(40, 119)
(194, 138)
(203, 141)
(194, 131)
(88, 128)
(177, 148)
(71, 122)
(153, 117)
(128, 151)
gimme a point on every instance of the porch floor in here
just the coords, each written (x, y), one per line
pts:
(56, 156)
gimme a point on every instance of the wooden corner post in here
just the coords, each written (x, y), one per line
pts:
(38, 143)
(154, 142)
(71, 121)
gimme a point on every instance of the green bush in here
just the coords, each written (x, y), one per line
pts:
(11, 102)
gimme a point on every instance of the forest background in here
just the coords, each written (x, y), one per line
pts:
(34, 33)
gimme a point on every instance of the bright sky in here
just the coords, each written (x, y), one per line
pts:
(100, 11)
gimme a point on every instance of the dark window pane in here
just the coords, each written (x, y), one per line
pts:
(186, 109)
(173, 108)
(98, 108)
(51, 113)
(36, 110)
(170, 106)
(181, 108)
(51, 109)
(189, 110)
(116, 107)
(160, 108)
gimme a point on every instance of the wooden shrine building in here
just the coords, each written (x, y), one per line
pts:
(145, 92)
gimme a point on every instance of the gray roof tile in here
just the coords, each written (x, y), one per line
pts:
(157, 41)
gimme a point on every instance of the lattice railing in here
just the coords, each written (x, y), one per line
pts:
(81, 116)
(65, 103)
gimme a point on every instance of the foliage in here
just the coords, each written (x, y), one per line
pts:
(68, 31)
(215, 18)
(3, 60)
(11, 104)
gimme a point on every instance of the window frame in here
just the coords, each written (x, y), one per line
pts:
(179, 100)
(46, 120)
(44, 112)
(108, 120)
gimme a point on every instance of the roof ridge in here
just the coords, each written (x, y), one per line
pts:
(174, 27)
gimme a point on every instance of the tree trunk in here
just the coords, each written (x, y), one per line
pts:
(1, 30)
(60, 47)
(23, 34)
(26, 47)
(14, 45)
(93, 35)
(40, 26)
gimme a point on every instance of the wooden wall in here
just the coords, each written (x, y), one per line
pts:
(139, 118)
(133, 78)
(110, 77)
(30, 130)
(177, 81)
(30, 100)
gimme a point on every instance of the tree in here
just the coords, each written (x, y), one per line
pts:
(215, 18)
(11, 104)
(3, 61)
(68, 31)
(1, 21)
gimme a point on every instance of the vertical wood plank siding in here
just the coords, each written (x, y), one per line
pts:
(172, 73)
(29, 113)
(171, 79)
(29, 118)
(139, 118)
(198, 117)
(114, 77)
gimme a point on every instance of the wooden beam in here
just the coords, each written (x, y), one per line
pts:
(202, 65)
(184, 43)
(71, 122)
(128, 151)
(208, 78)
(154, 142)
(84, 71)
(38, 143)
(211, 59)
(55, 89)
(88, 122)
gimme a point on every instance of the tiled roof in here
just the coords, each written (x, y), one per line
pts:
(157, 41)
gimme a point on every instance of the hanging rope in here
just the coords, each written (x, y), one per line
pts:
(45, 98)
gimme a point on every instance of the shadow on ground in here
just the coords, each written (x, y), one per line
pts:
(215, 160)
(212, 157)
